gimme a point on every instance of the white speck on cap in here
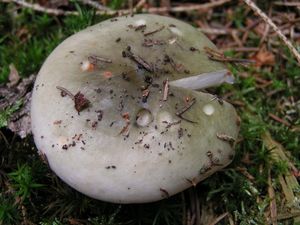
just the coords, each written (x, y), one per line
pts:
(176, 31)
(144, 118)
(140, 22)
(85, 65)
(208, 109)
(164, 117)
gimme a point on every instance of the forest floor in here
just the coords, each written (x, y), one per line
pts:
(259, 187)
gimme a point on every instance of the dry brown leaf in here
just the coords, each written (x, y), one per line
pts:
(13, 76)
(23, 34)
(256, 26)
(19, 122)
(264, 57)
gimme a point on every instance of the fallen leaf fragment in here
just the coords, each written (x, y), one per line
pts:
(13, 76)
(264, 57)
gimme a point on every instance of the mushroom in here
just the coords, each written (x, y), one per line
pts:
(116, 113)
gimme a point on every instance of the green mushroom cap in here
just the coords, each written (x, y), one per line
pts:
(115, 111)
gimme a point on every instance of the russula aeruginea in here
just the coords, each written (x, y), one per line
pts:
(115, 111)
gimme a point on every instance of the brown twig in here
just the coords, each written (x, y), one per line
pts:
(186, 108)
(173, 123)
(65, 91)
(216, 31)
(139, 5)
(95, 59)
(244, 171)
(297, 4)
(95, 5)
(193, 7)
(276, 118)
(226, 138)
(125, 129)
(58, 12)
(273, 207)
(166, 90)
(137, 59)
(154, 31)
(39, 8)
(241, 49)
(257, 10)
(218, 56)
(130, 3)
(219, 218)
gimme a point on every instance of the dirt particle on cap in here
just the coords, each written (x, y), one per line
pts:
(57, 122)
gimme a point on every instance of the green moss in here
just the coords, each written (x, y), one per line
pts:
(6, 113)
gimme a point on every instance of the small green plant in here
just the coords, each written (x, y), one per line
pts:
(6, 113)
(76, 23)
(52, 222)
(116, 4)
(8, 211)
(106, 219)
(23, 181)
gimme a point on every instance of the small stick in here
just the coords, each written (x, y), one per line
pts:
(173, 123)
(293, 4)
(226, 138)
(39, 8)
(276, 118)
(272, 204)
(126, 117)
(125, 129)
(94, 59)
(244, 171)
(140, 61)
(58, 12)
(130, 7)
(242, 49)
(257, 10)
(183, 110)
(154, 31)
(141, 140)
(139, 5)
(215, 31)
(150, 42)
(66, 92)
(166, 90)
(95, 5)
(186, 108)
(217, 56)
(219, 218)
(220, 100)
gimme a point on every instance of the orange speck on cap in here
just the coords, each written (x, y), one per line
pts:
(187, 99)
(107, 74)
(87, 66)
(126, 116)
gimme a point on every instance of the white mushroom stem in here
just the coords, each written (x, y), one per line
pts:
(204, 80)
